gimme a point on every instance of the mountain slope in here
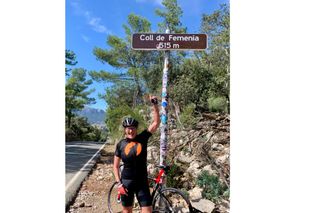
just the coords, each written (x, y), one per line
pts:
(95, 116)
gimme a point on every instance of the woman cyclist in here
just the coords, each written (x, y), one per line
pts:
(132, 150)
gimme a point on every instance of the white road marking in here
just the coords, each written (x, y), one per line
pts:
(79, 172)
(77, 153)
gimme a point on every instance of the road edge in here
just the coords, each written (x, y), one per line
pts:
(72, 188)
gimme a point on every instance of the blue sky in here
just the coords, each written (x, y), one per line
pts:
(88, 23)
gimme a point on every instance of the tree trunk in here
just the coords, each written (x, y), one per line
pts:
(69, 116)
(138, 94)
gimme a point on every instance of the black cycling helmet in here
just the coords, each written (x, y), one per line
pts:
(130, 122)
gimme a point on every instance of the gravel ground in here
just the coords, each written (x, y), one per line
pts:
(92, 196)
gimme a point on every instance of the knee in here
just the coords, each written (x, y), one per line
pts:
(127, 209)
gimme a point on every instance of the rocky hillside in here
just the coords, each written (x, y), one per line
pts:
(199, 158)
(193, 151)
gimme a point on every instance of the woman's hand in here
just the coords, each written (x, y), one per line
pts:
(122, 190)
(153, 100)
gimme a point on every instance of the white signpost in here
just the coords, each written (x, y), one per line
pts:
(167, 42)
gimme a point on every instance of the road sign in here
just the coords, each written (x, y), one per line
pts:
(165, 41)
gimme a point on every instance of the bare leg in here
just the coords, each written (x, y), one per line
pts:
(146, 209)
(127, 209)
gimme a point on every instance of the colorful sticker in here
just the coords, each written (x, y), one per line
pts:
(163, 119)
(164, 104)
(164, 113)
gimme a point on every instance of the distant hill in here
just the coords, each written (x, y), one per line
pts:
(95, 116)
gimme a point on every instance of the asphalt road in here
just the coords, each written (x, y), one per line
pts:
(77, 155)
(79, 161)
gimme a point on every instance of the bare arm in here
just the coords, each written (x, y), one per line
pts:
(156, 118)
(116, 164)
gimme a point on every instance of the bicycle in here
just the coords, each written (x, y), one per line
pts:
(163, 199)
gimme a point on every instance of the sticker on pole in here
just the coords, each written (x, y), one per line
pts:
(167, 41)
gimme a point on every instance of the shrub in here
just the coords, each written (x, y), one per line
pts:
(70, 135)
(187, 116)
(212, 188)
(89, 136)
(218, 104)
(91, 133)
(191, 84)
(82, 130)
(171, 176)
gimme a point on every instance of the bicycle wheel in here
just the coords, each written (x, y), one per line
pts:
(171, 200)
(114, 204)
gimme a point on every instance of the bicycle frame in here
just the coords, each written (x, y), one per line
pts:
(160, 199)
(158, 181)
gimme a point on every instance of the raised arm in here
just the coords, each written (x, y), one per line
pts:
(156, 117)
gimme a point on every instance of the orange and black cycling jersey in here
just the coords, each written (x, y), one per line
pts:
(133, 153)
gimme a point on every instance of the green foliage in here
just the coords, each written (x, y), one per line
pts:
(171, 16)
(121, 55)
(206, 74)
(226, 194)
(104, 134)
(70, 135)
(217, 57)
(70, 58)
(103, 76)
(121, 94)
(82, 130)
(193, 80)
(171, 178)
(218, 104)
(77, 93)
(187, 117)
(212, 187)
(192, 84)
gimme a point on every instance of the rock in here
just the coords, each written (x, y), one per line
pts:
(209, 135)
(195, 193)
(109, 174)
(186, 185)
(214, 139)
(209, 169)
(222, 159)
(153, 154)
(179, 134)
(185, 158)
(194, 169)
(203, 205)
(225, 203)
(195, 164)
(151, 169)
(214, 146)
(181, 141)
(186, 149)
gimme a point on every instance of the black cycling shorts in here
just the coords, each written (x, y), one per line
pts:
(140, 189)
